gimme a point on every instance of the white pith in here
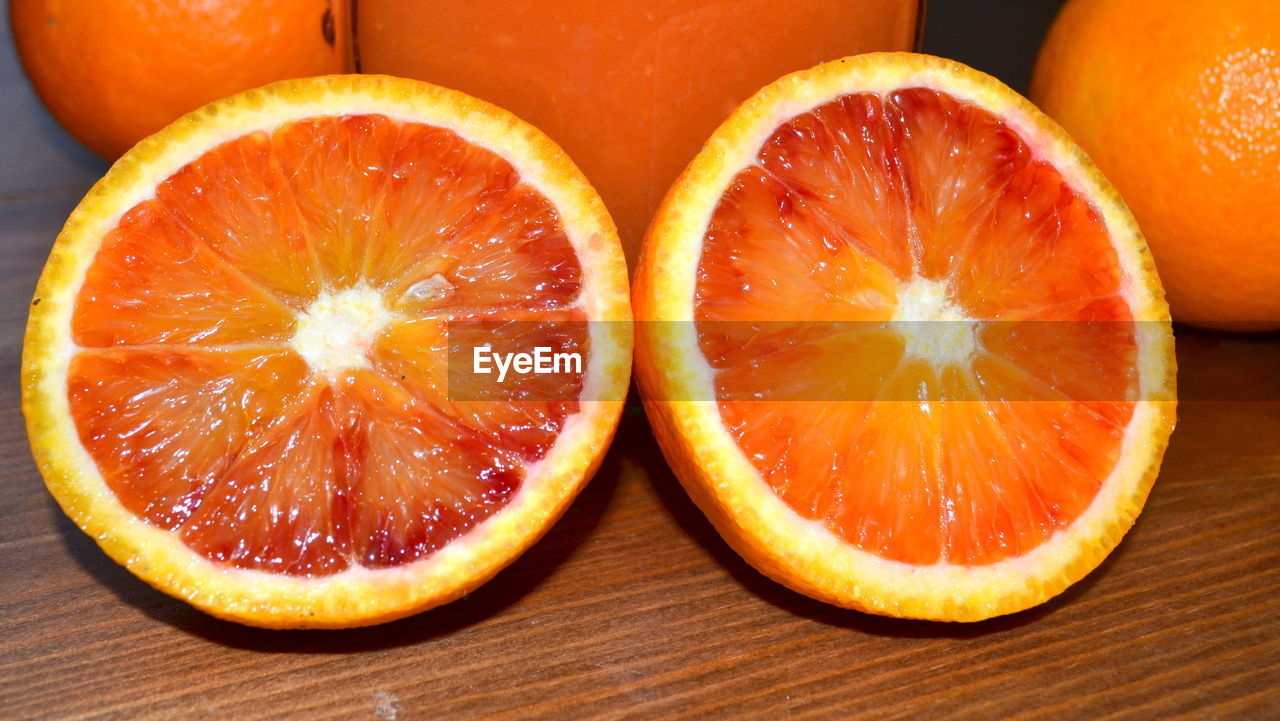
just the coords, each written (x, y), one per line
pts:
(932, 326)
(335, 332)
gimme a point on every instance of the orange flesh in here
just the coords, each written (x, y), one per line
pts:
(846, 206)
(206, 421)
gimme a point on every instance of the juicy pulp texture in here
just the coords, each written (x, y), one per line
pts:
(203, 389)
(869, 217)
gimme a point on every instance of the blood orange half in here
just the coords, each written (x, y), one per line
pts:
(903, 343)
(235, 370)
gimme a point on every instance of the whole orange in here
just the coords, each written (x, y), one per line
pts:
(115, 72)
(1178, 101)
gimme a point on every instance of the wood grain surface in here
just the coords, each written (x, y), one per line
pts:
(632, 607)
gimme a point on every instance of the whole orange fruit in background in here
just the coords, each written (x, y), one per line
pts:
(115, 72)
(1178, 102)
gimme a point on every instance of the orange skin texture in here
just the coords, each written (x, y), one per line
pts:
(114, 72)
(1179, 104)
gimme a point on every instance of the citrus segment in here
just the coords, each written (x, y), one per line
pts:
(927, 326)
(335, 169)
(253, 222)
(418, 352)
(259, 370)
(162, 424)
(153, 282)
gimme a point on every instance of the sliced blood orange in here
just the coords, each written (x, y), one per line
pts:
(913, 357)
(235, 364)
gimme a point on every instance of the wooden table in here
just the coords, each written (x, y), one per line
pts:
(632, 606)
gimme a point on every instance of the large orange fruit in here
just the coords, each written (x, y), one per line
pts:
(236, 371)
(115, 72)
(903, 343)
(1178, 101)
